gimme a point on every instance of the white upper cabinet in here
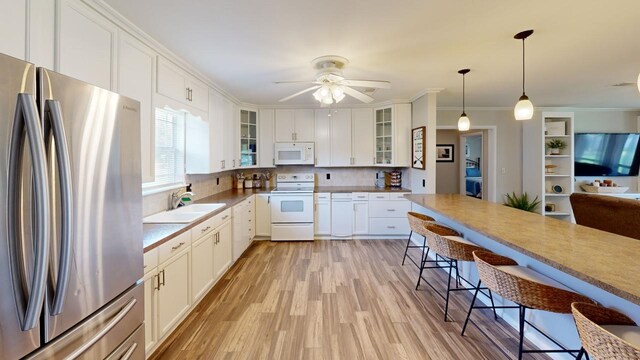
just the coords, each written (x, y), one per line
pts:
(341, 137)
(176, 84)
(230, 119)
(266, 158)
(13, 21)
(248, 138)
(294, 125)
(392, 134)
(322, 138)
(86, 44)
(362, 137)
(136, 70)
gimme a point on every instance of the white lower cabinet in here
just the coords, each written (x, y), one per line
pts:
(322, 214)
(174, 297)
(341, 215)
(388, 214)
(202, 259)
(360, 217)
(150, 304)
(243, 226)
(222, 250)
(263, 215)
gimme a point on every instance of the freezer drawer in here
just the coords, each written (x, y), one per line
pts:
(130, 349)
(102, 333)
(292, 232)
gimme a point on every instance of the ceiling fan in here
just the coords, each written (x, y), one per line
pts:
(331, 86)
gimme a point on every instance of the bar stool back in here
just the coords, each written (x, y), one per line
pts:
(430, 230)
(605, 333)
(528, 289)
(416, 223)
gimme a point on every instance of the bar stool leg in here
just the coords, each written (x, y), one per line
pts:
(446, 303)
(407, 248)
(522, 318)
(473, 300)
(582, 352)
(493, 306)
(425, 256)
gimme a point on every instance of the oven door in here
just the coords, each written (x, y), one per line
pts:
(291, 208)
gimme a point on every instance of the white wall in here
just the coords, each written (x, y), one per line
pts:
(448, 173)
(424, 114)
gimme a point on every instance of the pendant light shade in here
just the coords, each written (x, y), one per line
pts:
(464, 123)
(524, 107)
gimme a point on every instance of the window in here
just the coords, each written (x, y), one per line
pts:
(170, 147)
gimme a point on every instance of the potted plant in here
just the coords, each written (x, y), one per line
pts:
(522, 202)
(555, 145)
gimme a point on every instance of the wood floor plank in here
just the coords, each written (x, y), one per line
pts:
(348, 299)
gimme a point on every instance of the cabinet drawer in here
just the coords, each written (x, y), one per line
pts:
(360, 196)
(221, 218)
(379, 196)
(203, 228)
(322, 196)
(173, 246)
(150, 260)
(398, 196)
(388, 226)
(389, 208)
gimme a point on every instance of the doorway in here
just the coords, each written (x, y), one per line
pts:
(473, 168)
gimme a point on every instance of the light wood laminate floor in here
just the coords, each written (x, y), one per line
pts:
(334, 300)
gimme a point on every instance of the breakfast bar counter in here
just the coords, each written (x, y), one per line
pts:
(608, 261)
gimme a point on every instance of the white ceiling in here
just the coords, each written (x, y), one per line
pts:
(579, 48)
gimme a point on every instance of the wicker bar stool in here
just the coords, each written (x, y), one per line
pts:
(605, 333)
(454, 249)
(432, 229)
(416, 223)
(528, 289)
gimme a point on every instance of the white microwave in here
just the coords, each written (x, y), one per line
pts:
(298, 153)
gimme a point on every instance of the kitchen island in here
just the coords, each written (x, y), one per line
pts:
(598, 264)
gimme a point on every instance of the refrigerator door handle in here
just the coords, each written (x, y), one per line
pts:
(116, 319)
(26, 118)
(53, 110)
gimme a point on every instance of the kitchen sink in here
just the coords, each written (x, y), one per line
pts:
(182, 215)
(205, 208)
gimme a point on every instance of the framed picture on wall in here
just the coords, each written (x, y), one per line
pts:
(444, 153)
(418, 147)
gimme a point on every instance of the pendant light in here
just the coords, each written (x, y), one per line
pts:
(463, 123)
(524, 107)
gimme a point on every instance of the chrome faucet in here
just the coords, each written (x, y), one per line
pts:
(176, 198)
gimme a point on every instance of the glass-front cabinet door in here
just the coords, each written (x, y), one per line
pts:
(384, 137)
(248, 138)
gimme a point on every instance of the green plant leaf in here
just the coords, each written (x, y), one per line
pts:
(522, 202)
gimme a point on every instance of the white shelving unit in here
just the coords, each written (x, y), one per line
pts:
(537, 181)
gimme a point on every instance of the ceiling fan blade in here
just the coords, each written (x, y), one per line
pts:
(299, 93)
(378, 84)
(358, 95)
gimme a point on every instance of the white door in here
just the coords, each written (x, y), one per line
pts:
(284, 125)
(202, 274)
(303, 125)
(174, 298)
(360, 217)
(13, 21)
(198, 95)
(341, 219)
(150, 310)
(136, 73)
(263, 215)
(322, 138)
(362, 148)
(322, 221)
(222, 251)
(86, 44)
(266, 155)
(340, 137)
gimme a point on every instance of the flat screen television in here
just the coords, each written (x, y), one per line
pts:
(607, 154)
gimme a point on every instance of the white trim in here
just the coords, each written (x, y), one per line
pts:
(152, 188)
(556, 108)
(424, 92)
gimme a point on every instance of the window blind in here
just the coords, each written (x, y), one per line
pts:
(170, 146)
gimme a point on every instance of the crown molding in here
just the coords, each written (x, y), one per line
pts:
(424, 92)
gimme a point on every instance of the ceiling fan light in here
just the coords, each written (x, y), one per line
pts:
(523, 109)
(337, 91)
(325, 91)
(339, 97)
(463, 123)
(327, 100)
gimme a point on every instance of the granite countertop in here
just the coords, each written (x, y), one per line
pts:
(155, 235)
(603, 259)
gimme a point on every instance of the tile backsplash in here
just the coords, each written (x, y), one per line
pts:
(342, 176)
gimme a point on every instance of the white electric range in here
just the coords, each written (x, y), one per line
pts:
(292, 207)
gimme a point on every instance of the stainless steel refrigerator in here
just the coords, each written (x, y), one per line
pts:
(71, 222)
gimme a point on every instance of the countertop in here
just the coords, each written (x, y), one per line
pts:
(155, 235)
(603, 259)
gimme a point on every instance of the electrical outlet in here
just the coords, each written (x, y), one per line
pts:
(424, 183)
(217, 181)
(328, 176)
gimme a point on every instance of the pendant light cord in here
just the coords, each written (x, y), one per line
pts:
(522, 66)
(463, 93)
